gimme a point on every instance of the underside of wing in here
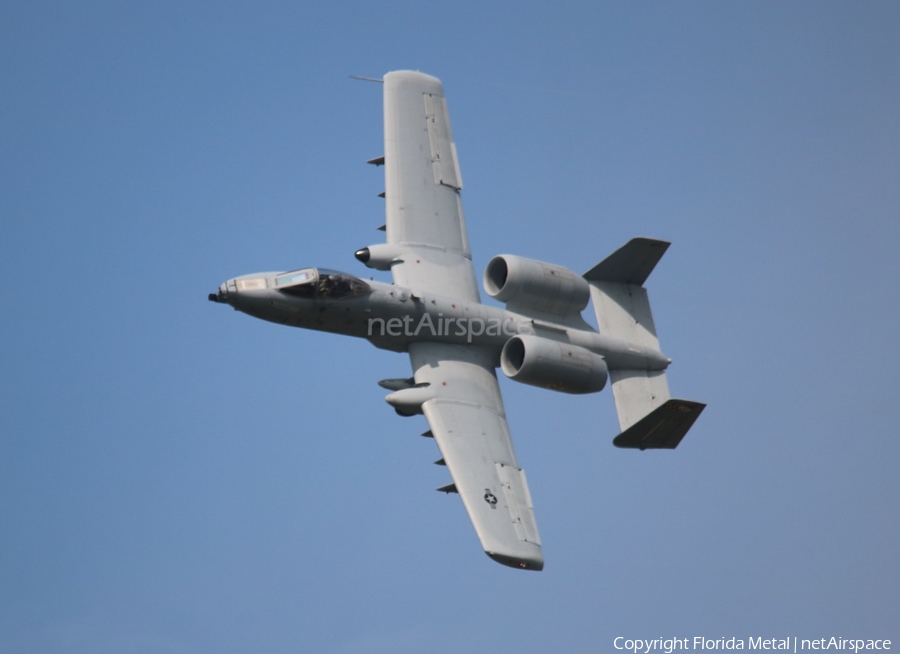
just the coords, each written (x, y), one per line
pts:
(469, 425)
(422, 184)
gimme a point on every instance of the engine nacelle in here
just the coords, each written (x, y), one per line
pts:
(526, 284)
(551, 364)
(409, 401)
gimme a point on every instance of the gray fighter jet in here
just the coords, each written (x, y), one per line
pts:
(433, 312)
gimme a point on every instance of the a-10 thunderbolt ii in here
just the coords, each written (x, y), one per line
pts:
(432, 311)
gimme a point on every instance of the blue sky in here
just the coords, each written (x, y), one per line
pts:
(176, 477)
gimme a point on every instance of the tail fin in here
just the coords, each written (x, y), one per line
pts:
(623, 311)
(662, 428)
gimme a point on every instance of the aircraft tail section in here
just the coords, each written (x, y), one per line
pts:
(662, 428)
(637, 393)
(620, 300)
(648, 417)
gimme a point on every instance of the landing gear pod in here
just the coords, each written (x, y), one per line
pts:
(379, 257)
(409, 401)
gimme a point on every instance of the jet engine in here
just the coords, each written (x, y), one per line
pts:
(525, 284)
(554, 365)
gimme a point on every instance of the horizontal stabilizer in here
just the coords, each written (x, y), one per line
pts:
(663, 428)
(630, 264)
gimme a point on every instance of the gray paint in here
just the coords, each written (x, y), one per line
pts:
(433, 312)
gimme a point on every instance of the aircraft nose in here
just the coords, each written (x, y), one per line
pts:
(222, 296)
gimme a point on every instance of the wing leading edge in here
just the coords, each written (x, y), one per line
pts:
(468, 422)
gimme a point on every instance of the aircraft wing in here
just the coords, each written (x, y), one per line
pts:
(468, 422)
(422, 183)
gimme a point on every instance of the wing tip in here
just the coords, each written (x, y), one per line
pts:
(518, 562)
(413, 78)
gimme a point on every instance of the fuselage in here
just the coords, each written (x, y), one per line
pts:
(392, 317)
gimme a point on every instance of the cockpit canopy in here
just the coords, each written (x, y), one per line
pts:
(321, 284)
